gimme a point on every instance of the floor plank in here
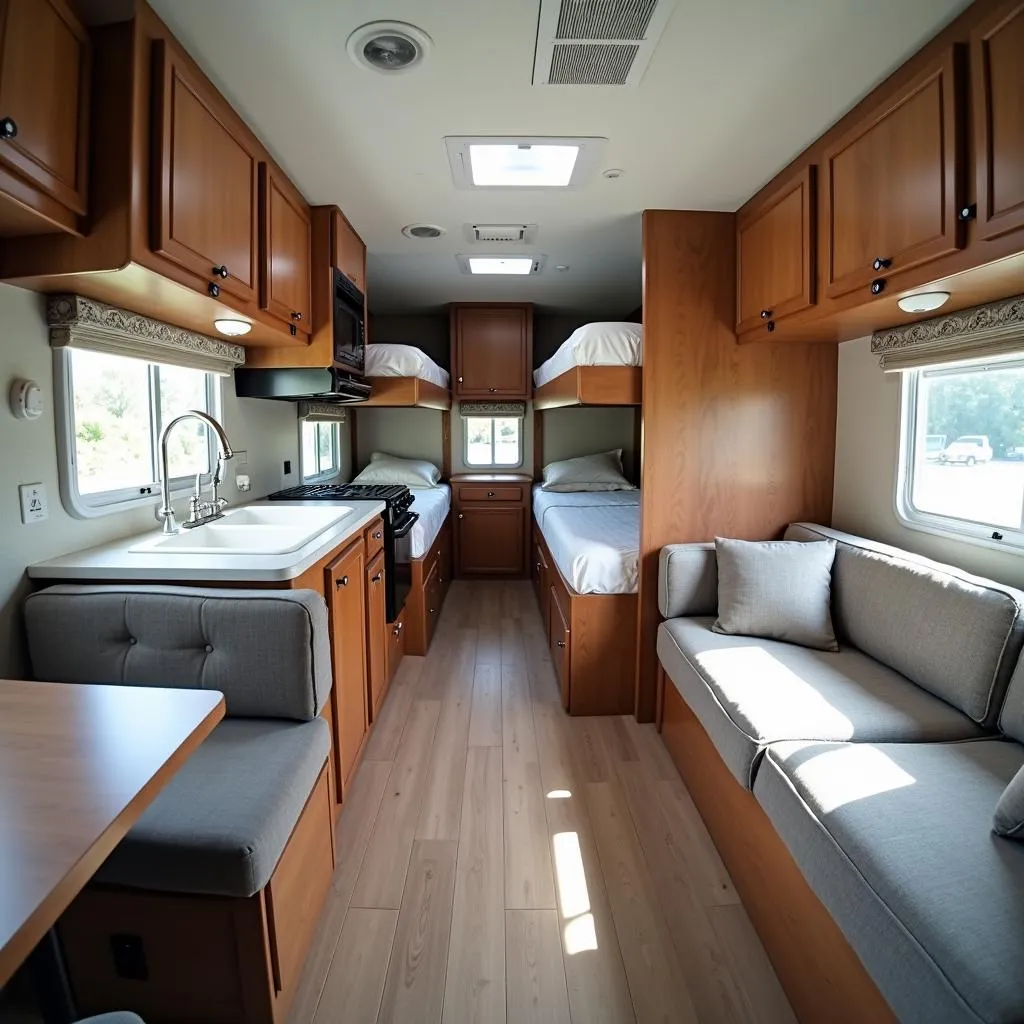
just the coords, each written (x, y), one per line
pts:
(356, 981)
(387, 730)
(535, 977)
(414, 989)
(485, 717)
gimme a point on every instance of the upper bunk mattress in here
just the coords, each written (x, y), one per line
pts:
(432, 504)
(593, 536)
(606, 343)
(384, 359)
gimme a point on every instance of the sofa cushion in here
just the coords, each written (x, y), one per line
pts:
(687, 580)
(955, 634)
(896, 841)
(1009, 817)
(748, 693)
(1011, 715)
(221, 825)
(776, 589)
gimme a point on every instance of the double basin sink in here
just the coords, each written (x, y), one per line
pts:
(256, 530)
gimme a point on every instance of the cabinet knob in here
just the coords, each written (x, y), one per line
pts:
(561, 643)
(492, 390)
(397, 631)
(490, 494)
(377, 578)
(765, 314)
(296, 316)
(538, 566)
(431, 611)
(8, 128)
(214, 290)
(221, 272)
(461, 516)
(882, 263)
(771, 326)
(377, 535)
(460, 380)
(878, 286)
(968, 212)
(343, 582)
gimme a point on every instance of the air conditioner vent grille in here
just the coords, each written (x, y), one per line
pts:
(591, 64)
(499, 232)
(604, 19)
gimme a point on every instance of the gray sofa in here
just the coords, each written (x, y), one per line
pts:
(221, 824)
(880, 766)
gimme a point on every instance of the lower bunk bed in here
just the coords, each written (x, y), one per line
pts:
(585, 569)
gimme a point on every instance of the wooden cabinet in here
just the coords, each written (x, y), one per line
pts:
(997, 64)
(492, 351)
(207, 175)
(45, 75)
(434, 598)
(775, 244)
(286, 245)
(894, 184)
(349, 252)
(561, 646)
(373, 537)
(376, 632)
(345, 581)
(396, 645)
(491, 524)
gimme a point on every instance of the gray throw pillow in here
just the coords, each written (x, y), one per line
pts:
(778, 589)
(1009, 816)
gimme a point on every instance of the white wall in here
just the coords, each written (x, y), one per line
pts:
(407, 433)
(267, 431)
(569, 433)
(867, 453)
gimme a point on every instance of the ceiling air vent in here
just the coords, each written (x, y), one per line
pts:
(509, 233)
(597, 42)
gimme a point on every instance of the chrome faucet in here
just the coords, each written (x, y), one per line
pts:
(199, 511)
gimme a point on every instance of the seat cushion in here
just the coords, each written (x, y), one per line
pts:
(749, 692)
(221, 825)
(113, 1018)
(897, 842)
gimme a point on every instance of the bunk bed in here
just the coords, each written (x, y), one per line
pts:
(598, 364)
(402, 376)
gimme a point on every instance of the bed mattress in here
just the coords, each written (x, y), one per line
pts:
(384, 359)
(432, 504)
(593, 537)
(597, 344)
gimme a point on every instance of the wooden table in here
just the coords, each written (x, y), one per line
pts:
(78, 766)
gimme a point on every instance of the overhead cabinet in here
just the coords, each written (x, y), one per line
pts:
(348, 250)
(492, 351)
(286, 246)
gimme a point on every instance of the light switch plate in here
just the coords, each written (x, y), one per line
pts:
(34, 506)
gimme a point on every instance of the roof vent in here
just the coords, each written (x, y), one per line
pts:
(423, 231)
(388, 46)
(597, 42)
(502, 232)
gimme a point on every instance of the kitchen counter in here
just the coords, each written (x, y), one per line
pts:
(115, 560)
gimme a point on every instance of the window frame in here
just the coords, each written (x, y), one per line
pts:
(1011, 541)
(323, 476)
(492, 465)
(124, 499)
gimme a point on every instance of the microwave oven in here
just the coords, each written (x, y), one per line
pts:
(349, 325)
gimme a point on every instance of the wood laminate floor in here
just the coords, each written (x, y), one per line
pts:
(500, 861)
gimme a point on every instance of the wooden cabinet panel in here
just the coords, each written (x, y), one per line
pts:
(396, 645)
(286, 242)
(344, 581)
(491, 540)
(893, 182)
(539, 572)
(432, 588)
(561, 647)
(45, 73)
(376, 631)
(997, 62)
(775, 244)
(492, 351)
(349, 251)
(373, 537)
(497, 492)
(207, 177)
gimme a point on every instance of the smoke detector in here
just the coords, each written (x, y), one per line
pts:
(388, 46)
(423, 231)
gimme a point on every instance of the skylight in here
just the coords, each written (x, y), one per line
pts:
(522, 166)
(500, 264)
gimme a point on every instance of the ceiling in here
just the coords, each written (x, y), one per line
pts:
(735, 89)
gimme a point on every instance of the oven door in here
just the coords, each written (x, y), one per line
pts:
(401, 567)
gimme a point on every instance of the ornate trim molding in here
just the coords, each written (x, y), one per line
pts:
(78, 322)
(313, 410)
(994, 321)
(492, 409)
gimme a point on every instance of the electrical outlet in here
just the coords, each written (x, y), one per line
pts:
(242, 482)
(34, 506)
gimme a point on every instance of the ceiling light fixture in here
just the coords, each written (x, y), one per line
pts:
(500, 264)
(233, 328)
(922, 302)
(388, 46)
(423, 231)
(534, 162)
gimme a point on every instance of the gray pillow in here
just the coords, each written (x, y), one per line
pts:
(1009, 816)
(779, 589)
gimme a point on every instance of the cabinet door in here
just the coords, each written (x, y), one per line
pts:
(775, 255)
(490, 541)
(349, 252)
(893, 183)
(347, 603)
(492, 352)
(286, 239)
(396, 645)
(561, 649)
(376, 630)
(540, 576)
(997, 60)
(207, 174)
(434, 597)
(44, 97)
(444, 562)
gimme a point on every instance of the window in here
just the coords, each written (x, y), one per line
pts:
(493, 441)
(962, 463)
(321, 450)
(113, 409)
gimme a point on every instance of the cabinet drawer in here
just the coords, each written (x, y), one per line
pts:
(499, 492)
(373, 537)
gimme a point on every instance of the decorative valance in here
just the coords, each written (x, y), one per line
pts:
(78, 322)
(517, 409)
(994, 331)
(323, 412)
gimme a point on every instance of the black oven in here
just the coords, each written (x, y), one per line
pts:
(349, 326)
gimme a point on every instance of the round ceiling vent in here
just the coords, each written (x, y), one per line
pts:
(388, 46)
(422, 231)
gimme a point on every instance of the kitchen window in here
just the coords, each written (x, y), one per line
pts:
(493, 442)
(962, 457)
(321, 450)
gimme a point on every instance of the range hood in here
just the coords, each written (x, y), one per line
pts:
(297, 384)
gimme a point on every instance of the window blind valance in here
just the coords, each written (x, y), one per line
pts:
(322, 412)
(78, 322)
(993, 331)
(492, 409)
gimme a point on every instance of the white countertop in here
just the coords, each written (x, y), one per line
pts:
(114, 561)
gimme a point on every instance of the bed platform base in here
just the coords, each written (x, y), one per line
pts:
(590, 385)
(406, 392)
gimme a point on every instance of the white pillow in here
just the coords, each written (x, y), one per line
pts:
(390, 469)
(384, 359)
(608, 343)
(601, 472)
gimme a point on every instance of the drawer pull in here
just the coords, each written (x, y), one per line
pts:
(878, 286)
(343, 582)
(460, 380)
(377, 578)
(461, 516)
(8, 128)
(397, 631)
(561, 643)
(296, 315)
(766, 314)
(377, 535)
(214, 290)
(432, 610)
(221, 272)
(882, 263)
(490, 494)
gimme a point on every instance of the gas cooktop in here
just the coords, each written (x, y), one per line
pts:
(392, 494)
